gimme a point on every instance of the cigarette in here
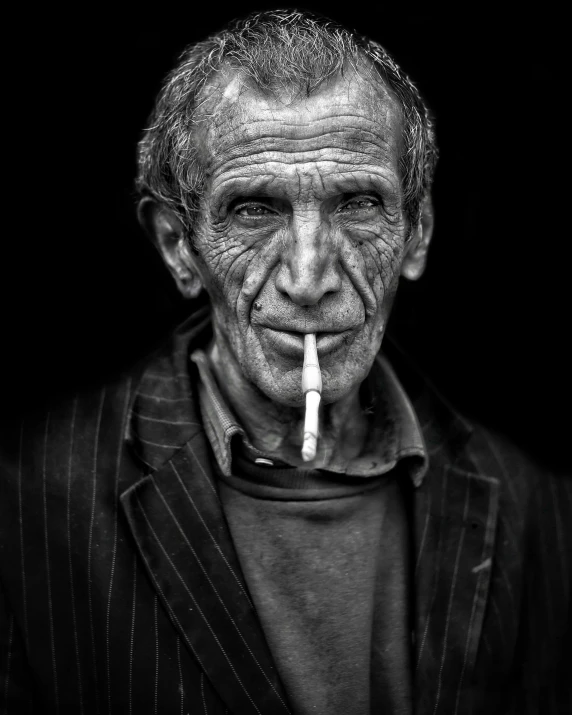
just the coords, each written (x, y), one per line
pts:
(312, 388)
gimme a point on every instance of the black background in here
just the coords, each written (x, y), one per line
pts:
(86, 293)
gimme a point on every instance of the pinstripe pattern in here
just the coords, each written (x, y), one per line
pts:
(181, 684)
(232, 571)
(120, 589)
(203, 694)
(70, 558)
(132, 637)
(8, 660)
(96, 447)
(21, 533)
(158, 523)
(48, 571)
(420, 562)
(155, 614)
(114, 551)
(448, 621)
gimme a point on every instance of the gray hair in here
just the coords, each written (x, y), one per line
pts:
(279, 49)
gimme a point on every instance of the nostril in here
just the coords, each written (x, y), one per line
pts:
(305, 295)
(309, 278)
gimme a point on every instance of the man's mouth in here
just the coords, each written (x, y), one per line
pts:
(291, 343)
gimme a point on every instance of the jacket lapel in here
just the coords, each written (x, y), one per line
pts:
(455, 520)
(454, 524)
(177, 521)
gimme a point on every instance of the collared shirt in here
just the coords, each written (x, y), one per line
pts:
(325, 552)
(394, 431)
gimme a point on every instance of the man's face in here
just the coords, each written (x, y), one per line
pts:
(302, 231)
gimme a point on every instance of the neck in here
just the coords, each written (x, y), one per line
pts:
(277, 430)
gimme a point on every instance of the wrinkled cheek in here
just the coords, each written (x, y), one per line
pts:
(220, 296)
(377, 253)
(376, 278)
(377, 284)
(222, 274)
(383, 271)
(257, 279)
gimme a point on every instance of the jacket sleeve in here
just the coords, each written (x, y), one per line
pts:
(16, 683)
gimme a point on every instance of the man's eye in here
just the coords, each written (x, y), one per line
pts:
(365, 202)
(253, 210)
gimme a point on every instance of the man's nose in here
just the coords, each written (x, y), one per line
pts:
(309, 268)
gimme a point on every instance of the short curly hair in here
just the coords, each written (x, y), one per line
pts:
(276, 49)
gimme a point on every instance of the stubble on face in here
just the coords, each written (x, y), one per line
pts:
(302, 230)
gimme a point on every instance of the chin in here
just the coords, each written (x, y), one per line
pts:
(285, 388)
(335, 388)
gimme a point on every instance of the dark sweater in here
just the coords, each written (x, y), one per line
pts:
(325, 562)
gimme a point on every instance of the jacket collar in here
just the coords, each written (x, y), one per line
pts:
(164, 415)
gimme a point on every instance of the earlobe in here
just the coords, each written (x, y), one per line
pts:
(168, 235)
(415, 258)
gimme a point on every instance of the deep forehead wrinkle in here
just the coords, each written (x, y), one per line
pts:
(252, 117)
(284, 165)
(343, 113)
(335, 129)
(283, 157)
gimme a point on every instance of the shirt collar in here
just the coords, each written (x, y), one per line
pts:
(395, 434)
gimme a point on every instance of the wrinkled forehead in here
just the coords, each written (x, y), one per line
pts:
(350, 108)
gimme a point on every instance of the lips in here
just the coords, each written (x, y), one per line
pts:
(291, 343)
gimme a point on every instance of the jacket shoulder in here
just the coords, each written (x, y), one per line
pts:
(519, 471)
(42, 439)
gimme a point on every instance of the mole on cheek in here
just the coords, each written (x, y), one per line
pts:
(257, 305)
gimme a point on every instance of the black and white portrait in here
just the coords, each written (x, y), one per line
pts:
(284, 427)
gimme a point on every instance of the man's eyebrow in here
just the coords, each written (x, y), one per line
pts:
(356, 181)
(363, 180)
(237, 186)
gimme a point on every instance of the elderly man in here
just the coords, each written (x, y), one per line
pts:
(167, 543)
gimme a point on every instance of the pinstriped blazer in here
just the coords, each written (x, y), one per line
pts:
(121, 591)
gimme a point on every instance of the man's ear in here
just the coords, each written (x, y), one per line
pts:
(168, 235)
(416, 252)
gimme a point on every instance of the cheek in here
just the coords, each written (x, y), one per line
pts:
(381, 255)
(223, 259)
(234, 265)
(222, 262)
